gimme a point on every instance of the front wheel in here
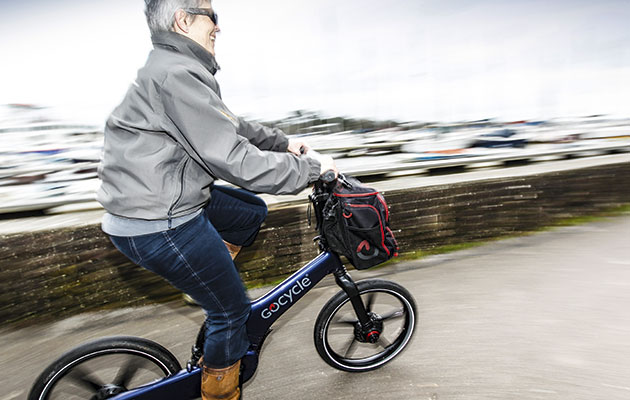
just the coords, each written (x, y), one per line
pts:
(341, 341)
(104, 368)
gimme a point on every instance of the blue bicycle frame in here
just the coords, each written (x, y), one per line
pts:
(265, 311)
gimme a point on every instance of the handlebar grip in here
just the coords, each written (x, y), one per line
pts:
(328, 176)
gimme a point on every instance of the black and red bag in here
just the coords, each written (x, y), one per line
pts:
(355, 223)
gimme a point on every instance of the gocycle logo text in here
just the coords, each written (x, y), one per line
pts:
(286, 298)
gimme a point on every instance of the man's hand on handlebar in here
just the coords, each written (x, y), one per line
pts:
(298, 147)
(328, 165)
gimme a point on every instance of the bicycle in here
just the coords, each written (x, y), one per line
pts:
(349, 335)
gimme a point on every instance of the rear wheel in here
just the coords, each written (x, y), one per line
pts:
(344, 344)
(104, 368)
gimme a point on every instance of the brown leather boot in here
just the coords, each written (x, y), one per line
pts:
(221, 383)
(233, 249)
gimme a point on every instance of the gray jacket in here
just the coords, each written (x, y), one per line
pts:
(172, 137)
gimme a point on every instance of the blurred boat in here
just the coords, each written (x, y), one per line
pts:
(507, 137)
(338, 142)
(442, 141)
(607, 132)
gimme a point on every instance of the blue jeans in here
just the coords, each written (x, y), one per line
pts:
(194, 259)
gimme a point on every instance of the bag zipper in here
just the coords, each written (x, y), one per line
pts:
(380, 223)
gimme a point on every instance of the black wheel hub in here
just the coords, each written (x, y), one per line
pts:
(107, 391)
(370, 332)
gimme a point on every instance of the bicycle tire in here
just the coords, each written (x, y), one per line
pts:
(142, 356)
(339, 316)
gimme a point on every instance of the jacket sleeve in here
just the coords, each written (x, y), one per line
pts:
(199, 121)
(263, 137)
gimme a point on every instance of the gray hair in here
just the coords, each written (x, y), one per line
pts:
(161, 13)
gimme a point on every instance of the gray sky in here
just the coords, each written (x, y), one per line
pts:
(401, 59)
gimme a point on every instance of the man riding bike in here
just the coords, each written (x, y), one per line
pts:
(165, 145)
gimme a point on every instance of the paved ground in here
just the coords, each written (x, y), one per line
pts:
(538, 317)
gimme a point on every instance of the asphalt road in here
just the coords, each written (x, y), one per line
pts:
(544, 316)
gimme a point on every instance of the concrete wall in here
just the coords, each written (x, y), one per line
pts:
(50, 274)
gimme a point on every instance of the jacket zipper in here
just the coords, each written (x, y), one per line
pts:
(181, 193)
(228, 116)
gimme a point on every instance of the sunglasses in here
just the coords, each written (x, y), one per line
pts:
(204, 11)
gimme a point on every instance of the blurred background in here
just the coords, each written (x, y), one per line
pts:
(395, 90)
(403, 83)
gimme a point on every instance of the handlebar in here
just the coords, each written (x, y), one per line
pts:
(328, 176)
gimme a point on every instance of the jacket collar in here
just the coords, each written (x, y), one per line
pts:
(179, 43)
